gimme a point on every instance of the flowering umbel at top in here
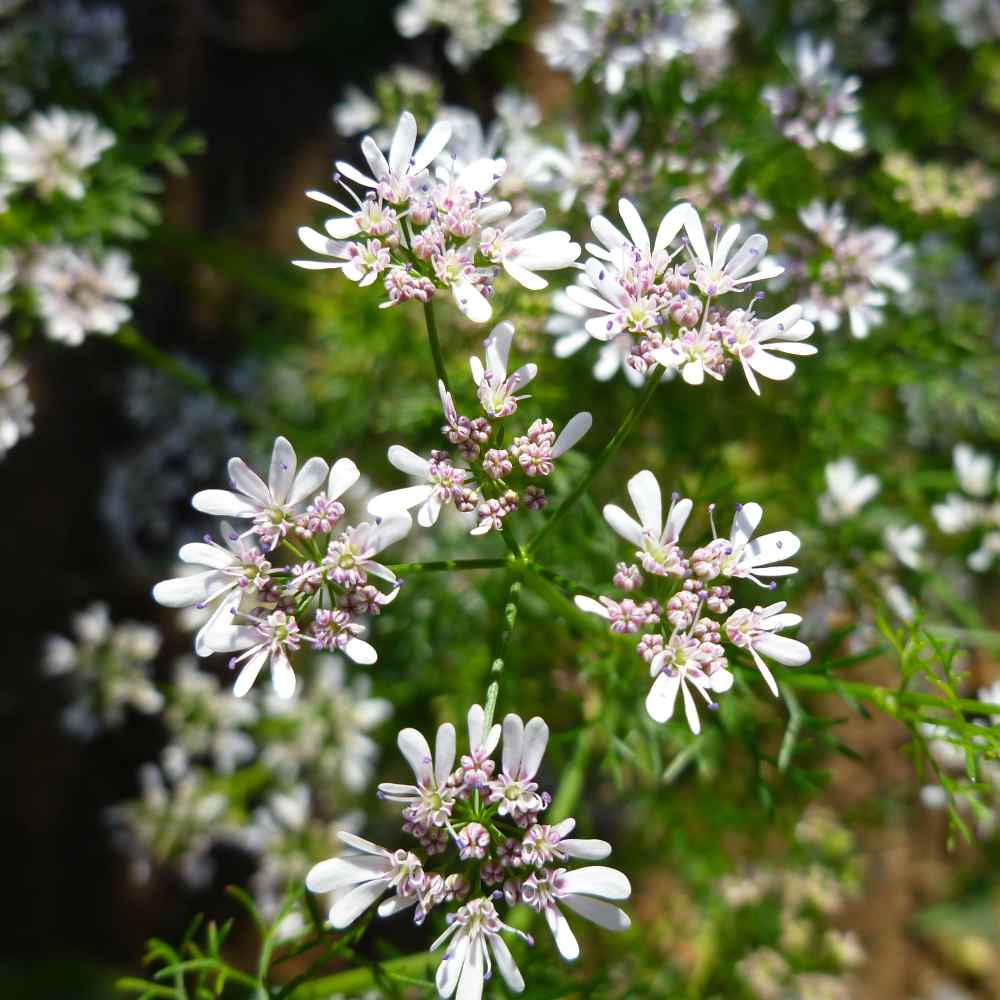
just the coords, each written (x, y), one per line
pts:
(485, 827)
(420, 230)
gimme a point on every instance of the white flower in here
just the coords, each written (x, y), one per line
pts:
(748, 557)
(54, 151)
(272, 504)
(956, 514)
(585, 892)
(974, 470)
(466, 964)
(355, 112)
(267, 642)
(989, 549)
(472, 28)
(754, 630)
(77, 293)
(847, 491)
(393, 177)
(439, 482)
(715, 272)
(515, 789)
(358, 880)
(495, 389)
(430, 800)
(752, 339)
(678, 665)
(905, 543)
(521, 254)
(230, 572)
(655, 539)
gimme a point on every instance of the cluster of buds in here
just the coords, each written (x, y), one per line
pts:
(499, 479)
(419, 232)
(681, 642)
(502, 853)
(266, 610)
(662, 300)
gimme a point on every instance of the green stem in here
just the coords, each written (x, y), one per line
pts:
(882, 698)
(432, 336)
(496, 668)
(653, 380)
(795, 719)
(444, 565)
(355, 980)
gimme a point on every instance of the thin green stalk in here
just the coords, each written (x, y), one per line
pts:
(496, 667)
(432, 336)
(605, 456)
(795, 719)
(444, 565)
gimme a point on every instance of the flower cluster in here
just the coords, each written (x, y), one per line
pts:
(53, 152)
(642, 295)
(976, 508)
(499, 479)
(419, 232)
(611, 39)
(110, 667)
(16, 408)
(266, 610)
(473, 28)
(821, 106)
(679, 639)
(853, 270)
(501, 850)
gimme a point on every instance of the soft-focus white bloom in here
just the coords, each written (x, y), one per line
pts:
(355, 112)
(585, 891)
(54, 150)
(755, 631)
(474, 934)
(77, 293)
(821, 105)
(847, 491)
(974, 470)
(655, 538)
(272, 505)
(473, 28)
(906, 543)
(16, 408)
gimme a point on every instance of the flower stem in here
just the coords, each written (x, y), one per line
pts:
(624, 429)
(432, 336)
(496, 668)
(444, 565)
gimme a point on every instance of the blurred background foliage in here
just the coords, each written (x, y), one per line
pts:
(787, 848)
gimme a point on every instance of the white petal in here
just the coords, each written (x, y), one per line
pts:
(634, 225)
(391, 530)
(597, 880)
(783, 649)
(565, 939)
(696, 237)
(376, 161)
(662, 697)
(670, 226)
(448, 972)
(771, 367)
(404, 140)
(645, 493)
(249, 672)
(536, 738)
(282, 675)
(591, 606)
(623, 524)
(429, 150)
(343, 475)
(578, 426)
(605, 915)
(248, 482)
(359, 843)
(387, 504)
(513, 743)
(428, 514)
(203, 554)
(360, 652)
(222, 503)
(282, 474)
(444, 752)
(308, 481)
(585, 849)
(347, 908)
(778, 545)
(473, 304)
(691, 710)
(338, 873)
(183, 591)
(414, 747)
(677, 519)
(470, 983)
(506, 964)
(745, 522)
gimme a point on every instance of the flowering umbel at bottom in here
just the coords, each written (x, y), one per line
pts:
(486, 832)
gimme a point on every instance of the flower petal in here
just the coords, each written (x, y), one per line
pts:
(282, 473)
(623, 524)
(605, 915)
(309, 480)
(597, 880)
(343, 475)
(414, 747)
